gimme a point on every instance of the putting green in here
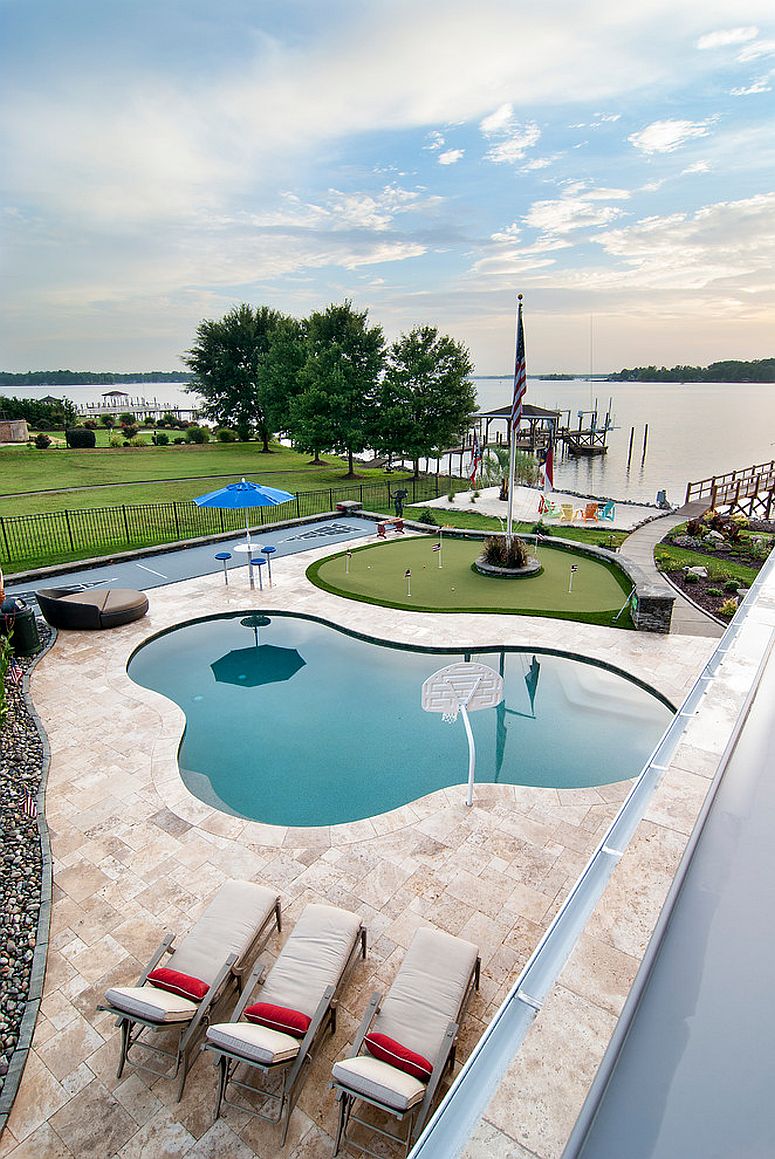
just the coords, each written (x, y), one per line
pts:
(377, 574)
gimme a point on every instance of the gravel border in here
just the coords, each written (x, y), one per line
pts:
(24, 757)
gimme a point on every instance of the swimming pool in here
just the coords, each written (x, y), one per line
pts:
(293, 721)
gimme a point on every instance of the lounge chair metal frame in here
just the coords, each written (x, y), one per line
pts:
(133, 1026)
(293, 1070)
(416, 1115)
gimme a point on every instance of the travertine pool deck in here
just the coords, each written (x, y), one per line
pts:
(135, 854)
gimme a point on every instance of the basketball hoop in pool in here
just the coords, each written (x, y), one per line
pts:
(463, 688)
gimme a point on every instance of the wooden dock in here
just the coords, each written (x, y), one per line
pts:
(749, 492)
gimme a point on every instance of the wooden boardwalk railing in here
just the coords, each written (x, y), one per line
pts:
(749, 492)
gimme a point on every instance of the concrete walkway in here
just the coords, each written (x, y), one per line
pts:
(639, 547)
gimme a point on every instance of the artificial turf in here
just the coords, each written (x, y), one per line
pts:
(377, 574)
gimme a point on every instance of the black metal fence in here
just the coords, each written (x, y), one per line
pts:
(60, 536)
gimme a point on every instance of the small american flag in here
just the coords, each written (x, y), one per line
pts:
(29, 808)
(408, 573)
(520, 373)
(476, 459)
(437, 547)
(15, 671)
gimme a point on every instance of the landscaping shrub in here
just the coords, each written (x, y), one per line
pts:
(691, 578)
(728, 608)
(499, 551)
(227, 435)
(116, 441)
(91, 424)
(126, 419)
(427, 517)
(129, 430)
(731, 586)
(197, 435)
(715, 591)
(178, 441)
(42, 442)
(160, 439)
(78, 437)
(137, 441)
(109, 421)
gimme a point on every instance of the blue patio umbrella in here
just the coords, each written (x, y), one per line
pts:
(242, 496)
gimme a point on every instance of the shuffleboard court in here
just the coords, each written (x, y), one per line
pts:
(377, 574)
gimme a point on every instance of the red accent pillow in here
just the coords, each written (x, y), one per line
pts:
(388, 1050)
(177, 983)
(279, 1018)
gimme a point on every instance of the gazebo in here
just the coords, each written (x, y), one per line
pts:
(541, 425)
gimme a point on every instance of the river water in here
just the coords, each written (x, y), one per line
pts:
(695, 431)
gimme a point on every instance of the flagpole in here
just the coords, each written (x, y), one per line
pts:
(512, 455)
(516, 413)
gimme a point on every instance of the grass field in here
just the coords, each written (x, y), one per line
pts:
(61, 479)
(377, 575)
(78, 488)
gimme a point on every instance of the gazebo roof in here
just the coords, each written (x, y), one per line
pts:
(115, 394)
(528, 411)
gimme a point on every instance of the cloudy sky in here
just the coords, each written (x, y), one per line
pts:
(614, 162)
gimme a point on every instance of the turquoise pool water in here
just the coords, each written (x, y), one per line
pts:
(294, 722)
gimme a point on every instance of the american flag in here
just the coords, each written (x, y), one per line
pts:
(549, 468)
(29, 808)
(15, 671)
(437, 547)
(520, 373)
(476, 458)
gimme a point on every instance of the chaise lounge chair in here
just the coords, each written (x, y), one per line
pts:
(296, 1000)
(212, 957)
(409, 1038)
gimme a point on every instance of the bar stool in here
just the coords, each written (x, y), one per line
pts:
(257, 563)
(269, 552)
(224, 556)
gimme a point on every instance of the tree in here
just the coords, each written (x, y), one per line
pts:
(426, 397)
(336, 407)
(279, 376)
(226, 359)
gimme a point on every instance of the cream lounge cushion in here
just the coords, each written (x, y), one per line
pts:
(151, 1003)
(428, 992)
(377, 1080)
(257, 1043)
(314, 957)
(228, 926)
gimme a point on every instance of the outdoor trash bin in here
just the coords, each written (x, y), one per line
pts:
(21, 624)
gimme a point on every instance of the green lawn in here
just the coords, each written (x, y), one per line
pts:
(377, 575)
(474, 521)
(105, 477)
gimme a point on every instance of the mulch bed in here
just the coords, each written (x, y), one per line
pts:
(698, 593)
